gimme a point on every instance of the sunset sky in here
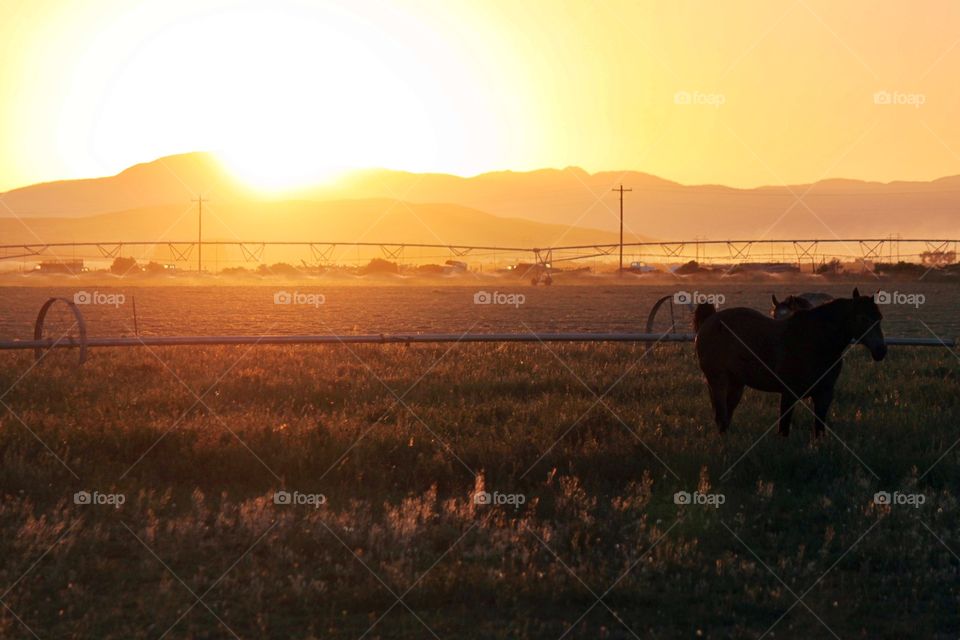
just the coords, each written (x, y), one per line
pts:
(286, 92)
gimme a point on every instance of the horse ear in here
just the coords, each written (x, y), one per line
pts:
(774, 297)
(856, 293)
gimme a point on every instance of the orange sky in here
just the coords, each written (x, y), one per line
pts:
(741, 93)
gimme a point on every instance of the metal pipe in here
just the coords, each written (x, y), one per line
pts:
(646, 243)
(397, 338)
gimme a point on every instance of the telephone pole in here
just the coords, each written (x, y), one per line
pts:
(621, 190)
(199, 200)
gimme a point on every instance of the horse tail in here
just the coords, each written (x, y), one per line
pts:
(701, 313)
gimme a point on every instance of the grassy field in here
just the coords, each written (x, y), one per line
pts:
(604, 306)
(581, 448)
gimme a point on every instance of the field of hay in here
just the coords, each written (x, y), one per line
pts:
(467, 490)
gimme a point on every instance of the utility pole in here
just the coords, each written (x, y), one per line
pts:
(199, 200)
(621, 190)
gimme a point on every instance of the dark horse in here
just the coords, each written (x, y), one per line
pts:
(798, 357)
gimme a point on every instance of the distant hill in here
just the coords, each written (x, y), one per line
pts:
(656, 208)
(371, 220)
(169, 180)
(670, 211)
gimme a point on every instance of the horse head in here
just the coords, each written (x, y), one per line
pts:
(864, 325)
(788, 306)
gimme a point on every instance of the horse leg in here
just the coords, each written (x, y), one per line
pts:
(787, 402)
(718, 397)
(822, 398)
(734, 393)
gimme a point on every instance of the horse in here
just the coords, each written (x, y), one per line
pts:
(784, 308)
(798, 357)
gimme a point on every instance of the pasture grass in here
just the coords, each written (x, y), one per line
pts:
(399, 440)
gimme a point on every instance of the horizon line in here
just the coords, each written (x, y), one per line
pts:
(471, 176)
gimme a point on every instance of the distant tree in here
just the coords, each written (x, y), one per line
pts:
(379, 265)
(832, 267)
(901, 268)
(278, 269)
(154, 267)
(284, 269)
(122, 266)
(687, 268)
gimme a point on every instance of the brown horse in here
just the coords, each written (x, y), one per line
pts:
(786, 307)
(799, 357)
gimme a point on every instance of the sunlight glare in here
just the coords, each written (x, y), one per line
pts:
(284, 100)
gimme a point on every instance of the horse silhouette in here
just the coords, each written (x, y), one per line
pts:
(798, 357)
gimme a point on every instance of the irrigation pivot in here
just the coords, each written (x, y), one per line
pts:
(800, 253)
(40, 344)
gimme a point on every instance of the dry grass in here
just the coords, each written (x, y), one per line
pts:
(598, 518)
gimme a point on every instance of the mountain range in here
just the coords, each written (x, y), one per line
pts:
(546, 207)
